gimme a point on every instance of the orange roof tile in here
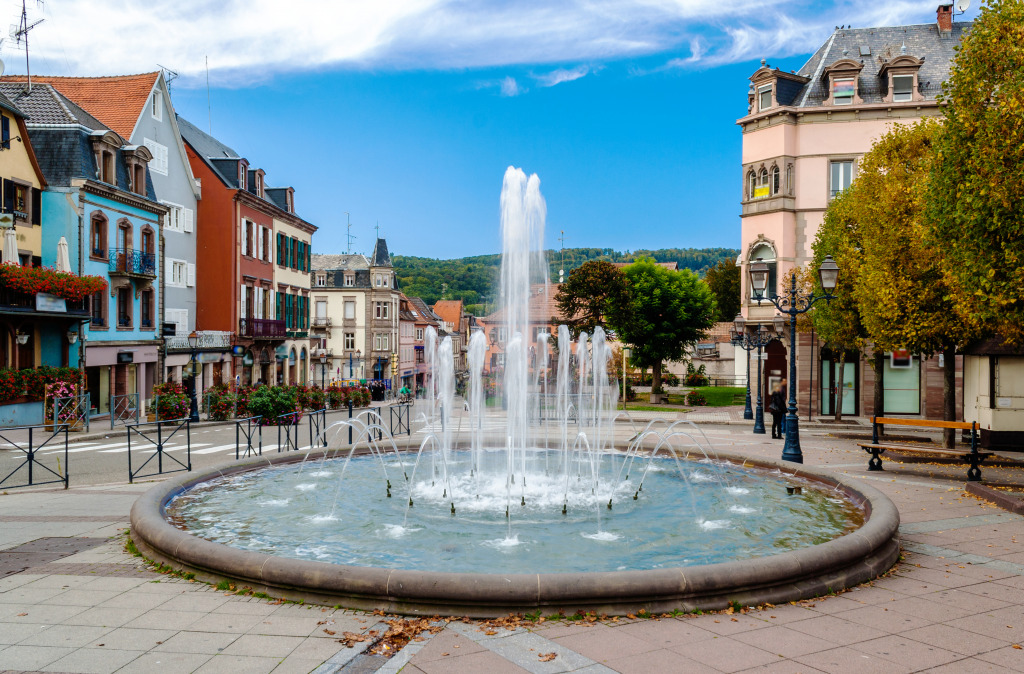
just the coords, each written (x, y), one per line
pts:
(450, 311)
(116, 101)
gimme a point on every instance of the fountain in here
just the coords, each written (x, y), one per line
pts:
(531, 505)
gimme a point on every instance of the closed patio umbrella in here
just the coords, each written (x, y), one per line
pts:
(63, 259)
(10, 246)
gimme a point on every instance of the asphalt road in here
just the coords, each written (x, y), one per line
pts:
(105, 460)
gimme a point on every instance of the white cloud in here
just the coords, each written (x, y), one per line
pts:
(562, 75)
(509, 87)
(247, 41)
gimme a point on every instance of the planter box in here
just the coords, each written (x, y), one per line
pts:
(659, 398)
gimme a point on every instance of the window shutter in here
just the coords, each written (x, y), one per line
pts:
(241, 312)
(191, 275)
(8, 196)
(189, 219)
(168, 271)
(5, 132)
(280, 255)
(37, 205)
(277, 304)
(309, 256)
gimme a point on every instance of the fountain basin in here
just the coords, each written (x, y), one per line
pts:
(806, 572)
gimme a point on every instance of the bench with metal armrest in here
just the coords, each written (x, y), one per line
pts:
(972, 455)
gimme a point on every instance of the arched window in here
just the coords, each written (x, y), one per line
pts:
(765, 253)
(789, 179)
(751, 184)
(775, 180)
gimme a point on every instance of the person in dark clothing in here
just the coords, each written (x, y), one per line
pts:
(777, 406)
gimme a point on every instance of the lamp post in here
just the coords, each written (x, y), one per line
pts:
(794, 303)
(193, 342)
(323, 369)
(748, 342)
(737, 340)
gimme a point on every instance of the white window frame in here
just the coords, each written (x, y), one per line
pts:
(175, 221)
(845, 100)
(350, 280)
(321, 280)
(419, 334)
(350, 341)
(846, 171)
(902, 97)
(348, 304)
(761, 91)
(156, 106)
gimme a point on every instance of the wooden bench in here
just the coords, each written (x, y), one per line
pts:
(875, 448)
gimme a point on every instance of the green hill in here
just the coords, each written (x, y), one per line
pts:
(474, 280)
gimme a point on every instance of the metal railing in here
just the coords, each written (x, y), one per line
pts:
(250, 429)
(321, 321)
(261, 328)
(399, 419)
(132, 262)
(124, 408)
(146, 432)
(208, 339)
(72, 410)
(30, 462)
(289, 423)
(317, 428)
(544, 407)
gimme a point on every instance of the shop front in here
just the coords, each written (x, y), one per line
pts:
(117, 370)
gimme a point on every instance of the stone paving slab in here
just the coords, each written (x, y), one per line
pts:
(955, 603)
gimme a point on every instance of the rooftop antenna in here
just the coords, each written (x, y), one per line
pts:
(561, 242)
(378, 229)
(19, 33)
(348, 220)
(169, 75)
(209, 108)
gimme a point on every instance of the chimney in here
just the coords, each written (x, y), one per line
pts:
(944, 18)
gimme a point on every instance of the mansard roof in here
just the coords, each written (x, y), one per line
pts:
(875, 48)
(380, 257)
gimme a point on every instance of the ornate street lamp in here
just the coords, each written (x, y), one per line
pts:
(323, 369)
(749, 341)
(794, 303)
(193, 342)
(736, 334)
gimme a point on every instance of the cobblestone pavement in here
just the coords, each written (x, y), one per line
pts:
(73, 600)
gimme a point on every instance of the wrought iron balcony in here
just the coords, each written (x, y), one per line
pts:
(208, 339)
(131, 262)
(261, 328)
(321, 322)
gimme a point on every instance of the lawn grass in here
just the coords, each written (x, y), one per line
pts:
(719, 396)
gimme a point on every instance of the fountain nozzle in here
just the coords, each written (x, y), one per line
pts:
(564, 511)
(523, 503)
(453, 508)
(636, 495)
(609, 504)
(410, 503)
(506, 512)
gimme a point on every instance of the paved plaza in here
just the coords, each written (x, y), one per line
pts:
(72, 599)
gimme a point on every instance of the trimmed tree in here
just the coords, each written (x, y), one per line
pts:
(664, 312)
(585, 299)
(975, 212)
(905, 300)
(724, 281)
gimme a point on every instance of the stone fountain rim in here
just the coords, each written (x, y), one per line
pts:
(796, 574)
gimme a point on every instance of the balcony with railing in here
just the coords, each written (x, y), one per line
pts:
(131, 262)
(13, 301)
(207, 340)
(321, 322)
(261, 328)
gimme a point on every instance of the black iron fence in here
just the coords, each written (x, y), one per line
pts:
(251, 431)
(124, 409)
(399, 417)
(317, 428)
(288, 432)
(154, 437)
(30, 465)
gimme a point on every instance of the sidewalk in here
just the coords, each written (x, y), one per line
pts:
(73, 600)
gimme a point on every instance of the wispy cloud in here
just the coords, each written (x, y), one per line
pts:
(562, 75)
(250, 40)
(509, 87)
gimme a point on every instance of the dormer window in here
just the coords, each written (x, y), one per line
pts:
(843, 90)
(764, 97)
(321, 280)
(259, 183)
(902, 88)
(242, 171)
(157, 106)
(842, 77)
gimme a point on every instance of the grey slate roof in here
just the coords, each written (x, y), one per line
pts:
(922, 41)
(203, 143)
(8, 105)
(45, 106)
(425, 312)
(320, 261)
(277, 196)
(380, 257)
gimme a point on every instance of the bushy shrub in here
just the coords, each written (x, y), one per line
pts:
(220, 403)
(171, 401)
(11, 385)
(37, 379)
(696, 377)
(696, 399)
(271, 402)
(339, 395)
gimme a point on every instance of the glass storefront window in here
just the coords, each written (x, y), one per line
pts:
(902, 387)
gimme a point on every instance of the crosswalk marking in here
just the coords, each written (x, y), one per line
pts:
(214, 450)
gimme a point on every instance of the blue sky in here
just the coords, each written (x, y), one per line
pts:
(407, 112)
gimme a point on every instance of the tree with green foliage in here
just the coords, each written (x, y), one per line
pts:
(838, 323)
(664, 313)
(724, 281)
(975, 212)
(584, 300)
(905, 299)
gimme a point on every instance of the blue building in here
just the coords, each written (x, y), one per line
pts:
(100, 197)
